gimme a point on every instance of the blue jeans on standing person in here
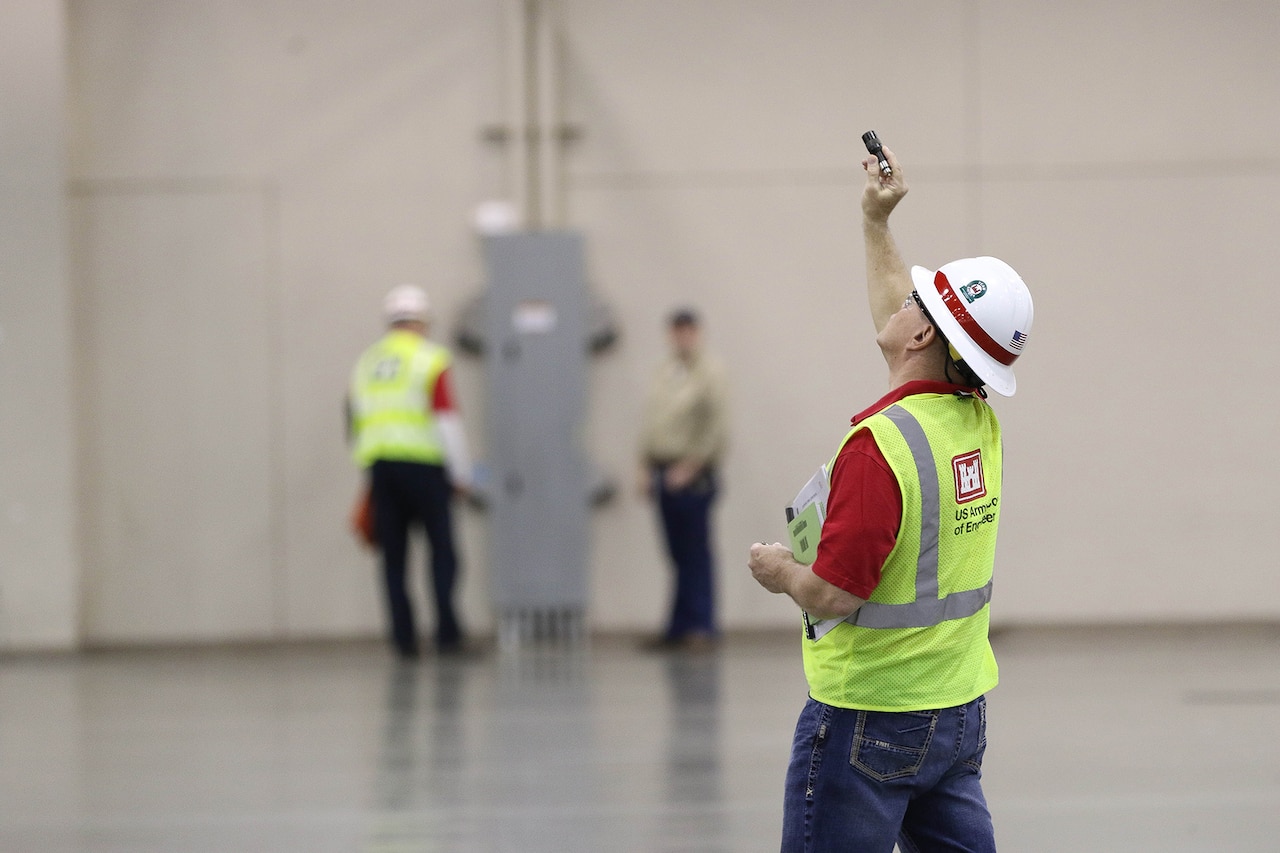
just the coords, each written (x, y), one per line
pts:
(859, 781)
(402, 493)
(686, 524)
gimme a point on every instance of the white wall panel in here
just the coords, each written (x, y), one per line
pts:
(361, 124)
(178, 372)
(1132, 87)
(677, 89)
(1142, 467)
(39, 560)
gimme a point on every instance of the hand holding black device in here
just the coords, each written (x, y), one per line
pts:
(874, 147)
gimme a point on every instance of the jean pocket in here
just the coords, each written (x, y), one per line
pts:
(974, 761)
(892, 745)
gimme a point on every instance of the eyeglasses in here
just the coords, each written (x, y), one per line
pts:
(915, 297)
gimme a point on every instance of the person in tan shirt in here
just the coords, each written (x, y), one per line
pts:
(684, 436)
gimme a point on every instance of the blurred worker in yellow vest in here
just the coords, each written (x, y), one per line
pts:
(896, 599)
(407, 433)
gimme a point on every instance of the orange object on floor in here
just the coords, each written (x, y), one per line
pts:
(362, 519)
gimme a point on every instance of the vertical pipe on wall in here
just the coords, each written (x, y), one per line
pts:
(517, 106)
(546, 107)
(533, 112)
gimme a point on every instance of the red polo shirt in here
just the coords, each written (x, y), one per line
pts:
(442, 395)
(864, 509)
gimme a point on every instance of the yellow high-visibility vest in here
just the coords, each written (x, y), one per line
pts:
(920, 642)
(391, 389)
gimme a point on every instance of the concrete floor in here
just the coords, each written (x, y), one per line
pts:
(1158, 739)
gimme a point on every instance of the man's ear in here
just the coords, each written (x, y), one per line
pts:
(923, 338)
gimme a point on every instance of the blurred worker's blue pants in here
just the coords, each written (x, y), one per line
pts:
(686, 524)
(405, 492)
(861, 780)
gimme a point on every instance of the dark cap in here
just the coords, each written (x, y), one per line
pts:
(684, 317)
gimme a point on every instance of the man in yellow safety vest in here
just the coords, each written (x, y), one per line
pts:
(407, 434)
(895, 596)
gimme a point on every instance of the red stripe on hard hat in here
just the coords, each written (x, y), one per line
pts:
(976, 333)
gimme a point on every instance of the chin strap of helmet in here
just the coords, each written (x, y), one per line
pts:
(951, 358)
(966, 374)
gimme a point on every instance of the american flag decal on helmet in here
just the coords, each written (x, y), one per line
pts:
(1018, 340)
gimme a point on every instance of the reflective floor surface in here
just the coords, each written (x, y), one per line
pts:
(1159, 739)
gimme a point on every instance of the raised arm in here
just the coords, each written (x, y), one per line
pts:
(888, 279)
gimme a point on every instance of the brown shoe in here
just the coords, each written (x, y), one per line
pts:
(659, 643)
(698, 643)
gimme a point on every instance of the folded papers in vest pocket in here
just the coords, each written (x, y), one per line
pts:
(805, 516)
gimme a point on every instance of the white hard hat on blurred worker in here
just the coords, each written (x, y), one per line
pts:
(406, 302)
(983, 309)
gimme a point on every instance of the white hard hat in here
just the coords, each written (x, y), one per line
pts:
(984, 310)
(406, 302)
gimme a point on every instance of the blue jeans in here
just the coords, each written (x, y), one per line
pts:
(860, 780)
(686, 525)
(405, 492)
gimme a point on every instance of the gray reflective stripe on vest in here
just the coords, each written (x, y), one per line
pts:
(927, 610)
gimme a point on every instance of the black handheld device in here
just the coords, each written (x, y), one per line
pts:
(876, 150)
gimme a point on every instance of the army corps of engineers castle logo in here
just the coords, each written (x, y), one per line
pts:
(967, 469)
